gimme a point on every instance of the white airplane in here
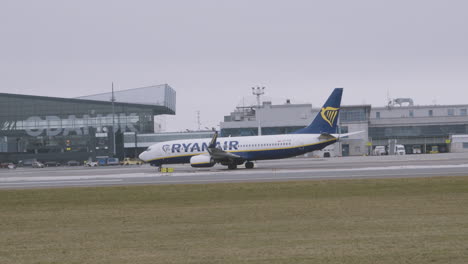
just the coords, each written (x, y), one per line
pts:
(234, 151)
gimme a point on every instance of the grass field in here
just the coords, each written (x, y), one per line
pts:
(344, 221)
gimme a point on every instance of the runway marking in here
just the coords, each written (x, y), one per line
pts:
(69, 178)
(32, 184)
(59, 182)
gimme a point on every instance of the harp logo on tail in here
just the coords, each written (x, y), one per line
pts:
(329, 114)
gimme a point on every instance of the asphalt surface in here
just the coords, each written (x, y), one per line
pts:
(408, 166)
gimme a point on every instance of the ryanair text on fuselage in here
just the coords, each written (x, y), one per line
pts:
(196, 147)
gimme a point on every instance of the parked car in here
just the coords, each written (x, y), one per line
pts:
(106, 161)
(73, 163)
(113, 161)
(52, 163)
(4, 164)
(130, 161)
(8, 165)
(38, 164)
(26, 162)
(91, 164)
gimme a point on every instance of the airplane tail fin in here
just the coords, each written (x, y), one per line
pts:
(326, 121)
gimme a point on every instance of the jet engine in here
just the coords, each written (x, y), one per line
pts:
(202, 161)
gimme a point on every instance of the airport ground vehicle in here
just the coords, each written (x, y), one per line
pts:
(434, 150)
(107, 161)
(400, 150)
(380, 150)
(417, 149)
(130, 161)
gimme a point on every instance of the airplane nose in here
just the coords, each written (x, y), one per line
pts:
(142, 156)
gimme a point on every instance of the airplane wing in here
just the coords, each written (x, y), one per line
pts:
(219, 154)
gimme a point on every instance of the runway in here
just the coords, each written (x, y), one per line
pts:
(278, 170)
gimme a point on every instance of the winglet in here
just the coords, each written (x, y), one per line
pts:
(213, 140)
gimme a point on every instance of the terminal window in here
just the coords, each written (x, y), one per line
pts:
(465, 145)
(463, 112)
(431, 113)
(451, 112)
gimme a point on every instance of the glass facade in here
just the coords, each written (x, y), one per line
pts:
(416, 131)
(48, 128)
(129, 138)
(253, 131)
(355, 114)
(430, 137)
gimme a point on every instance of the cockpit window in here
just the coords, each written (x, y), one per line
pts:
(148, 149)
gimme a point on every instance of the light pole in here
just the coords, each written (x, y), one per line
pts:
(257, 91)
(113, 121)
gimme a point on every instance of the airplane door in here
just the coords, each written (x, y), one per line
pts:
(301, 145)
(345, 150)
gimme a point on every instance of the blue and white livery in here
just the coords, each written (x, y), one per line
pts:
(234, 151)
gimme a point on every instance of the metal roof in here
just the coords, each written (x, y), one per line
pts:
(157, 109)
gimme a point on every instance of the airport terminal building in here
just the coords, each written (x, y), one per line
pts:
(62, 129)
(421, 129)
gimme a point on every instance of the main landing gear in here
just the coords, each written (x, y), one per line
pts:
(249, 165)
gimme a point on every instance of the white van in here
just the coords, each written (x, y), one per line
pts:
(380, 150)
(400, 150)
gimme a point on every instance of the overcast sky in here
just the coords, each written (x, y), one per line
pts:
(212, 52)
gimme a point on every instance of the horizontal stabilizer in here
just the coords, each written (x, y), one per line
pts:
(347, 134)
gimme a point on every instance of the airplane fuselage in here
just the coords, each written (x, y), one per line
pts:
(248, 148)
(233, 151)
